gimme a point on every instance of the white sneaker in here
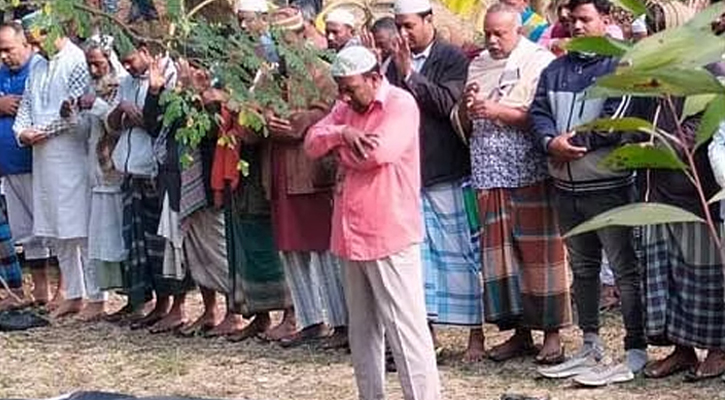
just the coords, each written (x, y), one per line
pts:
(581, 363)
(604, 374)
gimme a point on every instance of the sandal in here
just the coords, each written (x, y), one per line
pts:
(305, 336)
(527, 349)
(665, 368)
(155, 330)
(551, 359)
(694, 375)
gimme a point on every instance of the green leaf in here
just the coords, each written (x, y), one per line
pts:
(598, 45)
(664, 80)
(636, 214)
(719, 196)
(626, 124)
(695, 104)
(243, 167)
(641, 156)
(714, 114)
(691, 45)
(635, 7)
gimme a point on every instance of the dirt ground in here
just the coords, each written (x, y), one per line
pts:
(71, 356)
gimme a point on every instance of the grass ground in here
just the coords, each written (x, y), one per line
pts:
(71, 356)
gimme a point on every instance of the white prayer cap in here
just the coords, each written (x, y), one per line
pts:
(411, 6)
(259, 6)
(341, 16)
(353, 60)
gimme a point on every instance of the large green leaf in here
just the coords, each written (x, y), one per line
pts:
(690, 45)
(719, 196)
(598, 45)
(636, 214)
(696, 104)
(714, 114)
(636, 7)
(626, 124)
(665, 80)
(642, 156)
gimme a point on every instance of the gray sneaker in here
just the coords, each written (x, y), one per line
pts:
(578, 364)
(604, 374)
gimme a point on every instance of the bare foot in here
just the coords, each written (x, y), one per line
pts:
(15, 300)
(259, 324)
(551, 351)
(93, 312)
(285, 330)
(231, 325)
(476, 350)
(519, 345)
(57, 300)
(205, 323)
(170, 322)
(67, 307)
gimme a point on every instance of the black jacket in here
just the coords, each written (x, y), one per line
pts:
(437, 88)
(169, 176)
(672, 186)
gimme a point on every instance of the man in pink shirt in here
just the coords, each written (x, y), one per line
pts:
(376, 224)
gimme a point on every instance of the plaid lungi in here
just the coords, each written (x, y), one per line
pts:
(10, 270)
(683, 286)
(450, 258)
(257, 279)
(524, 266)
(143, 270)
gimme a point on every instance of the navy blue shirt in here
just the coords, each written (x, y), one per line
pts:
(14, 159)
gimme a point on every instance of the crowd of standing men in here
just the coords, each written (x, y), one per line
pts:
(420, 186)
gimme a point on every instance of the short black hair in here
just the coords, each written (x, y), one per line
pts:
(384, 24)
(426, 13)
(604, 7)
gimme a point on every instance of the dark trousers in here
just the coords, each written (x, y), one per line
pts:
(585, 258)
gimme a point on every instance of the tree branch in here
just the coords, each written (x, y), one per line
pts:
(127, 29)
(689, 153)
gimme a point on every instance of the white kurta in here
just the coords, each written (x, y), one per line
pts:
(61, 193)
(105, 228)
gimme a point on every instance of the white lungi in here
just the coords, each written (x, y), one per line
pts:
(385, 300)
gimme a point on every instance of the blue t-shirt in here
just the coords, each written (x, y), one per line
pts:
(14, 159)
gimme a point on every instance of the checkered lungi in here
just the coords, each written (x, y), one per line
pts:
(10, 270)
(450, 258)
(683, 286)
(524, 264)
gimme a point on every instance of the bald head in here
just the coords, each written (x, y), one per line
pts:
(502, 29)
(15, 51)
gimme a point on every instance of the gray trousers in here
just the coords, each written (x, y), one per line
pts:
(385, 302)
(585, 258)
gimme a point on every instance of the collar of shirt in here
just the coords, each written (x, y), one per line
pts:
(419, 59)
(381, 95)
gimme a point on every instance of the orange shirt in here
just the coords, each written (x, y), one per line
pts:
(377, 210)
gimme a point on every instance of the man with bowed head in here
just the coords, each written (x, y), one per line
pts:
(379, 155)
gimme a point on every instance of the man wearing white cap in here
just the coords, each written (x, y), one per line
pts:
(434, 72)
(340, 29)
(373, 131)
(252, 15)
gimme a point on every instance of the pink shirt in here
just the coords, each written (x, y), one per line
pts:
(377, 209)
